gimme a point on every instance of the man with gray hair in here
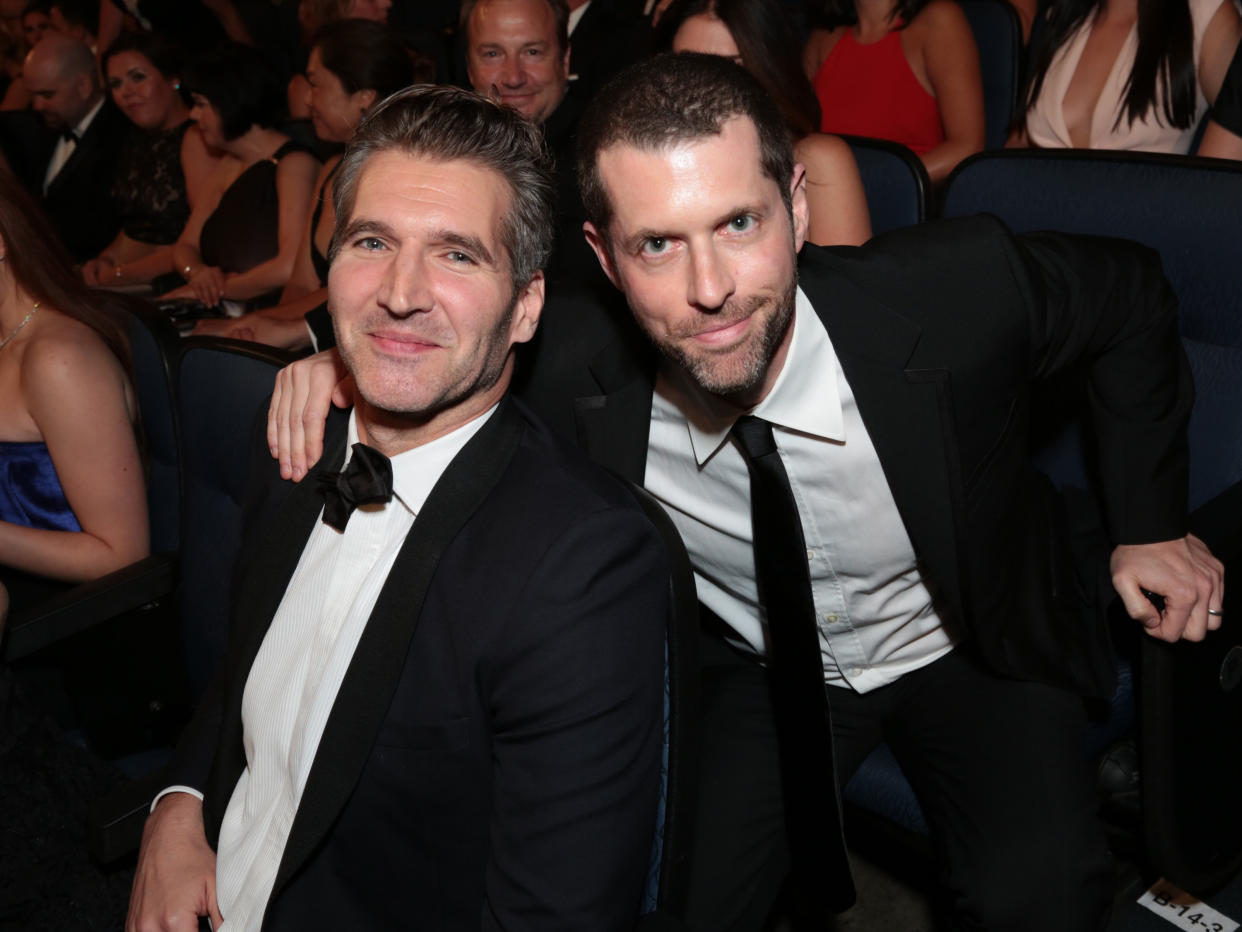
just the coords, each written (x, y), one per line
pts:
(76, 182)
(441, 706)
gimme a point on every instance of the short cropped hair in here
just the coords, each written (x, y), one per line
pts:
(560, 12)
(446, 124)
(240, 82)
(675, 98)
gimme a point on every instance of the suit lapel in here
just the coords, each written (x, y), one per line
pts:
(375, 670)
(907, 411)
(613, 426)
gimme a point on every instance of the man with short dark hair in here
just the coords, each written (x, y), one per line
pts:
(76, 184)
(841, 438)
(441, 705)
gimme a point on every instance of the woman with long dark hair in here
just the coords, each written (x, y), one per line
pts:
(72, 500)
(907, 71)
(1126, 74)
(758, 35)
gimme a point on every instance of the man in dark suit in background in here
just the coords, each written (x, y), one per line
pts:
(76, 182)
(841, 439)
(442, 709)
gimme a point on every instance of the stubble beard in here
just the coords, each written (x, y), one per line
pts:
(736, 379)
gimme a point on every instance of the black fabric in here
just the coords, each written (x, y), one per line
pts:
(367, 480)
(318, 259)
(799, 701)
(149, 189)
(243, 231)
(1227, 111)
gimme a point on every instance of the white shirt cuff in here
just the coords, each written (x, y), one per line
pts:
(175, 789)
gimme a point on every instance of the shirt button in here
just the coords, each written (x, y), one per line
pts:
(855, 671)
(831, 618)
(810, 554)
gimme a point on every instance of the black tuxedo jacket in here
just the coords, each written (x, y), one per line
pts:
(491, 760)
(942, 330)
(79, 199)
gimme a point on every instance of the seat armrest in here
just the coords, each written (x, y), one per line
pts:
(89, 604)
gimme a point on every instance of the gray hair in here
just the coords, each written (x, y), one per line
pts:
(446, 124)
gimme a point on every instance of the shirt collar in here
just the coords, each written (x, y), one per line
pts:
(416, 471)
(805, 398)
(85, 123)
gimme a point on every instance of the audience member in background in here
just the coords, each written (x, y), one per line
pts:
(604, 37)
(163, 169)
(757, 35)
(72, 502)
(1223, 137)
(354, 64)
(1126, 74)
(34, 23)
(517, 51)
(76, 18)
(197, 25)
(242, 238)
(76, 183)
(906, 71)
(313, 16)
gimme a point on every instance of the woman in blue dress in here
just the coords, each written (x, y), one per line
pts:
(72, 500)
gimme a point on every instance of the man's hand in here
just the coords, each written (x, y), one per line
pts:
(175, 881)
(299, 408)
(1185, 573)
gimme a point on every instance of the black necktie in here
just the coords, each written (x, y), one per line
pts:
(367, 480)
(799, 696)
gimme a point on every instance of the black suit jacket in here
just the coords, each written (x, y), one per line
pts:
(492, 756)
(79, 199)
(942, 330)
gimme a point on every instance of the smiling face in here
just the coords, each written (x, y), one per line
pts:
(704, 248)
(144, 95)
(513, 49)
(707, 34)
(334, 112)
(422, 299)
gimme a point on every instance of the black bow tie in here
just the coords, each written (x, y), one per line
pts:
(367, 480)
(68, 135)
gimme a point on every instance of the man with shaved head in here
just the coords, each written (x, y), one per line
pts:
(77, 178)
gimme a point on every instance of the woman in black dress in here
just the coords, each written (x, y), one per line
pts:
(164, 168)
(242, 238)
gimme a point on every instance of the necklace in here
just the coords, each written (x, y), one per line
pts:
(18, 329)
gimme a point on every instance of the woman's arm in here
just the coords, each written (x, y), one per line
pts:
(1220, 42)
(839, 215)
(110, 21)
(283, 326)
(75, 391)
(203, 282)
(951, 61)
(198, 165)
(295, 183)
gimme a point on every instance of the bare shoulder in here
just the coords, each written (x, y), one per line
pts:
(65, 360)
(938, 18)
(822, 155)
(325, 172)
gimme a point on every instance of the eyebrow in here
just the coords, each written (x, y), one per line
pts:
(635, 242)
(462, 241)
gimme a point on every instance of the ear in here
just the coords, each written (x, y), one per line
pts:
(565, 60)
(365, 98)
(799, 205)
(527, 309)
(85, 85)
(599, 245)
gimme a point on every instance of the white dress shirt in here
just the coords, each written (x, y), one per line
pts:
(875, 616)
(65, 147)
(299, 668)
